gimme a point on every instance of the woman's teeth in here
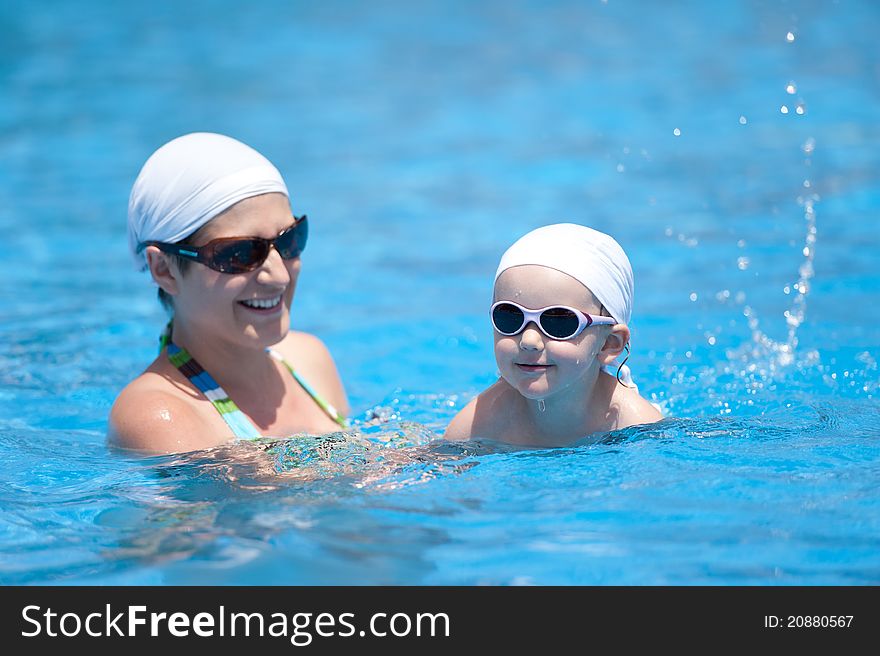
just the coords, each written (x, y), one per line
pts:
(263, 303)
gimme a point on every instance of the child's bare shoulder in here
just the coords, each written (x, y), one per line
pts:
(482, 417)
(634, 408)
(461, 426)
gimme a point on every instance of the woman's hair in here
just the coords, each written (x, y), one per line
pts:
(190, 180)
(183, 265)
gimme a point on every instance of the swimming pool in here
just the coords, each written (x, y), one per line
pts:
(421, 144)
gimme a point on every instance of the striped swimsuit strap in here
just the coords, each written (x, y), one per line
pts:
(326, 406)
(241, 426)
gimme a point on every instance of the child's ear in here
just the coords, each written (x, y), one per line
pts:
(164, 273)
(614, 344)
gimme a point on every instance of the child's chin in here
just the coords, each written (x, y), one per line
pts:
(533, 390)
(529, 387)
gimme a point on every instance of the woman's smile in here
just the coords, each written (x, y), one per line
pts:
(263, 306)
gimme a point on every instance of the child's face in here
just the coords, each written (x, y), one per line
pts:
(534, 364)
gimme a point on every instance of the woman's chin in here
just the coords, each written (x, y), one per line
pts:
(269, 334)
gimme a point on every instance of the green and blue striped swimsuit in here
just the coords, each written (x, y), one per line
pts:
(241, 426)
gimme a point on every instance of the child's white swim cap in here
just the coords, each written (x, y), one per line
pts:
(189, 181)
(591, 257)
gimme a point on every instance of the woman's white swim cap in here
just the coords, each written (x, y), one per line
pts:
(189, 181)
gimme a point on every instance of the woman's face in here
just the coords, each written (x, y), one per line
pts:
(534, 364)
(226, 306)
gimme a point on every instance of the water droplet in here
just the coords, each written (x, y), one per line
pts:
(711, 340)
(693, 296)
(676, 132)
(621, 168)
(783, 109)
(742, 263)
(786, 290)
(809, 145)
(668, 232)
(626, 150)
(800, 109)
(791, 89)
(741, 243)
(807, 183)
(789, 37)
(743, 120)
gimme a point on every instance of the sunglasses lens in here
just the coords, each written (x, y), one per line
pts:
(292, 242)
(559, 322)
(240, 255)
(507, 318)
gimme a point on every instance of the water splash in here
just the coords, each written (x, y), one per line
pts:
(761, 364)
(782, 353)
(764, 348)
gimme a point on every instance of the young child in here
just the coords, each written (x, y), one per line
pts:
(562, 302)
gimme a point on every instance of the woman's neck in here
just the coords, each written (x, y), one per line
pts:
(235, 367)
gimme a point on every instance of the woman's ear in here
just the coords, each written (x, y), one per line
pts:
(166, 274)
(614, 344)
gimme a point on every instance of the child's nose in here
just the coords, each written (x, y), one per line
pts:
(531, 339)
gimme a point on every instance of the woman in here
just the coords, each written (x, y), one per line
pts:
(210, 218)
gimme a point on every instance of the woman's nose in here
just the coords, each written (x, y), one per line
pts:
(274, 269)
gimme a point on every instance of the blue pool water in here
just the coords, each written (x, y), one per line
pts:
(422, 142)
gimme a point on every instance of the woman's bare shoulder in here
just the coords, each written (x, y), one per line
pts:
(154, 415)
(310, 356)
(303, 345)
